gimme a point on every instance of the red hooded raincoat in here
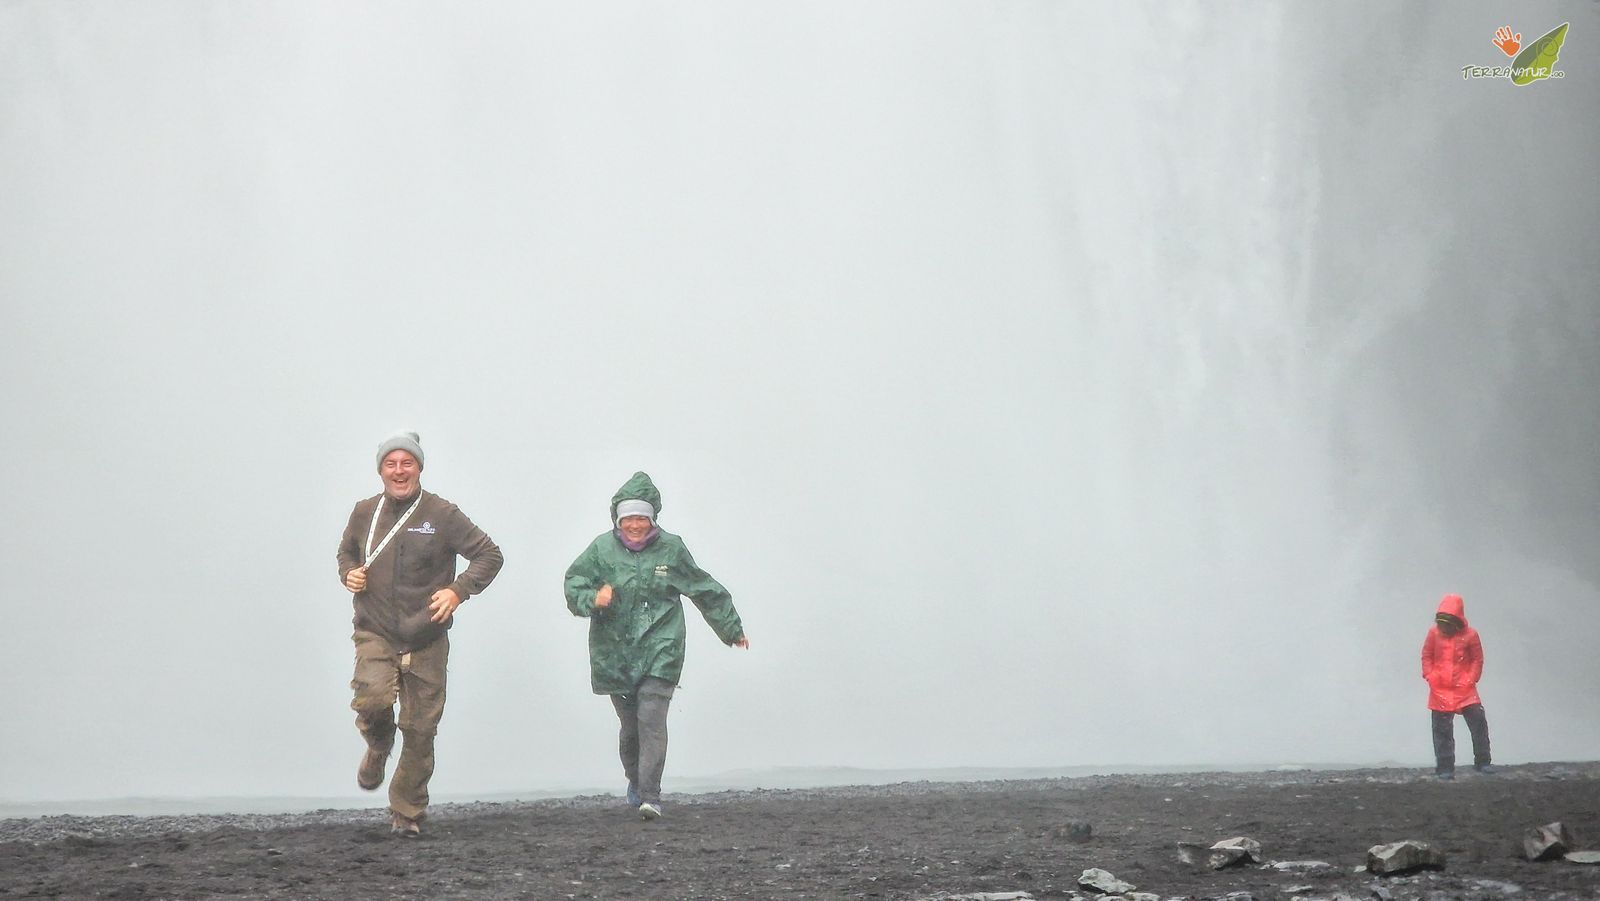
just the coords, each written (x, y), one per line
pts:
(1452, 664)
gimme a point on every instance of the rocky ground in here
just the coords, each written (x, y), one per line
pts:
(907, 841)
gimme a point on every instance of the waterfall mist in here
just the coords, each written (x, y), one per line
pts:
(1051, 384)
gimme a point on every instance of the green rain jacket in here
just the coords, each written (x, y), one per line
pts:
(641, 632)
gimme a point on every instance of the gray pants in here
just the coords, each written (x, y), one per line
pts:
(642, 740)
(1444, 737)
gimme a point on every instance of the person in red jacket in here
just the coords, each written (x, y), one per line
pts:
(1452, 662)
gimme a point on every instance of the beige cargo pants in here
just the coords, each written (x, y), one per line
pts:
(415, 679)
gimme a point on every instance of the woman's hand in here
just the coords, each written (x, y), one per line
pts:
(356, 579)
(602, 598)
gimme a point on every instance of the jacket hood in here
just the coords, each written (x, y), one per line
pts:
(638, 488)
(1453, 606)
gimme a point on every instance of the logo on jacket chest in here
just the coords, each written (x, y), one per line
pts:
(425, 529)
(663, 569)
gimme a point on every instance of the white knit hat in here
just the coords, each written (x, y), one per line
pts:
(401, 440)
(635, 507)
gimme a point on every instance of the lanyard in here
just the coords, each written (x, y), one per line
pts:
(373, 529)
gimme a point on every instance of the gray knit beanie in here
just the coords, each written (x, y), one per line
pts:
(635, 507)
(401, 440)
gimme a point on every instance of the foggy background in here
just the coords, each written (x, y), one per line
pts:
(1052, 384)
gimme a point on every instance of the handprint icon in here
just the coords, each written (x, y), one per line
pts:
(1506, 41)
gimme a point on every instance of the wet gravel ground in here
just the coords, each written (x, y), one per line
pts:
(911, 840)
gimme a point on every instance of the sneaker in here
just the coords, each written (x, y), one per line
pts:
(404, 826)
(633, 795)
(648, 811)
(1444, 777)
(370, 774)
(1488, 769)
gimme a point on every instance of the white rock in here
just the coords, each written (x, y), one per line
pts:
(1403, 857)
(1102, 881)
(1546, 842)
(1250, 847)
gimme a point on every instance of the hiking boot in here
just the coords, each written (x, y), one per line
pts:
(1444, 777)
(633, 795)
(370, 774)
(1488, 769)
(404, 826)
(648, 811)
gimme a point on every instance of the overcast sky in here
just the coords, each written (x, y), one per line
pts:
(1052, 384)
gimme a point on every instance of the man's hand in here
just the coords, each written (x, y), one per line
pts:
(445, 602)
(356, 580)
(602, 598)
(1506, 41)
(743, 642)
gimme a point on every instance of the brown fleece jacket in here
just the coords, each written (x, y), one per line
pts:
(419, 561)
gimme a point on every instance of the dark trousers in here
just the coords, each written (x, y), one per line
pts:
(1444, 737)
(642, 738)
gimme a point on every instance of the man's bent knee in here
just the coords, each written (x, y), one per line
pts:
(372, 703)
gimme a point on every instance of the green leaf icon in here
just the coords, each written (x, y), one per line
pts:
(1538, 59)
